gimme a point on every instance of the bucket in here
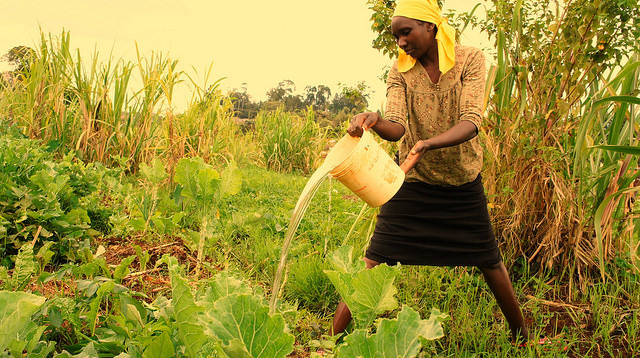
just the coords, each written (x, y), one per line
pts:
(365, 168)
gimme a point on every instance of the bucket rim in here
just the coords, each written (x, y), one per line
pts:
(346, 162)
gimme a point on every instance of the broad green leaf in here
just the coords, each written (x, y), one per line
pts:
(186, 173)
(42, 349)
(367, 293)
(399, 337)
(342, 260)
(162, 308)
(224, 285)
(199, 180)
(208, 185)
(45, 254)
(94, 306)
(78, 217)
(374, 293)
(28, 340)
(160, 347)
(236, 349)
(16, 309)
(89, 351)
(246, 319)
(4, 278)
(342, 283)
(357, 345)
(155, 173)
(63, 308)
(133, 311)
(186, 312)
(231, 180)
(122, 269)
(25, 267)
(138, 224)
(434, 325)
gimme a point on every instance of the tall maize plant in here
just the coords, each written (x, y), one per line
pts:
(92, 107)
(606, 164)
(561, 129)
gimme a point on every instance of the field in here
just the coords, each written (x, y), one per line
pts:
(91, 290)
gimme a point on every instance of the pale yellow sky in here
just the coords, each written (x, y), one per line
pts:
(256, 42)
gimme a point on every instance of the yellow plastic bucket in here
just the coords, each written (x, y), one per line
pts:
(365, 168)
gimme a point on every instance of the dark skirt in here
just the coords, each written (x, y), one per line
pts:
(432, 225)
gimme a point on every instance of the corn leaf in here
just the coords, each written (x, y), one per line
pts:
(625, 149)
(621, 99)
(599, 215)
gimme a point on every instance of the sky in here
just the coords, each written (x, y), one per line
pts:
(250, 43)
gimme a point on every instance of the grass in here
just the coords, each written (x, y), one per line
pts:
(599, 321)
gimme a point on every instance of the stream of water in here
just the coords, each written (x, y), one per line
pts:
(298, 212)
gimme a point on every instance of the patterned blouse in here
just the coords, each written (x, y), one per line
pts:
(426, 109)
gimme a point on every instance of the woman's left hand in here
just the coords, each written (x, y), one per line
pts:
(414, 155)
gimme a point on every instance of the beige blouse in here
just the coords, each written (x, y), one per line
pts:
(426, 109)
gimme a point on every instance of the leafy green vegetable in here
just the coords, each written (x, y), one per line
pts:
(155, 172)
(25, 267)
(187, 313)
(400, 337)
(16, 309)
(243, 321)
(367, 293)
(162, 347)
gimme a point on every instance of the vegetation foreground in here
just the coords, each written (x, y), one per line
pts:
(142, 288)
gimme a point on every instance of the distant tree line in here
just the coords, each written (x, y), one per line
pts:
(333, 107)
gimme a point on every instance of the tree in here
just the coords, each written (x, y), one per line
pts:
(284, 94)
(242, 104)
(20, 57)
(352, 98)
(317, 96)
(283, 90)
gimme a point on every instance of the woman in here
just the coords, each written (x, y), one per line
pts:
(435, 94)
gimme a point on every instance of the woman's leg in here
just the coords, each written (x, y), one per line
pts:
(499, 282)
(342, 317)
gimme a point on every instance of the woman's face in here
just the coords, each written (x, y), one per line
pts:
(414, 37)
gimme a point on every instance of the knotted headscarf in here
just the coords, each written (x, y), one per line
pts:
(429, 11)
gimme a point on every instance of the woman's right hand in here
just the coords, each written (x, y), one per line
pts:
(361, 122)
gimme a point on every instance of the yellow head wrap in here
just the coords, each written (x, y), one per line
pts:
(429, 11)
